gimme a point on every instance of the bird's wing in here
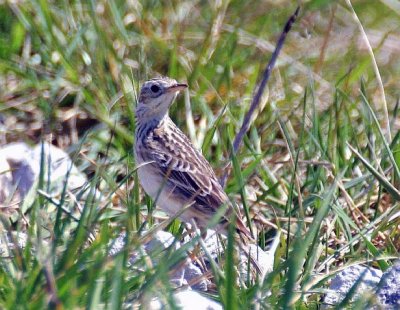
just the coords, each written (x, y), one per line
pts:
(188, 173)
(185, 168)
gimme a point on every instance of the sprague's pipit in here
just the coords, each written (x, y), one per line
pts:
(171, 170)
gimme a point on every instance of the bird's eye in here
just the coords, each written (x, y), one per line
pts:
(155, 88)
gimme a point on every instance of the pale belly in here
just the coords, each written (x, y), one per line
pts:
(164, 197)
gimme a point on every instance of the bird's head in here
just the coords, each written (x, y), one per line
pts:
(156, 96)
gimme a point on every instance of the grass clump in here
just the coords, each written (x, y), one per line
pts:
(317, 163)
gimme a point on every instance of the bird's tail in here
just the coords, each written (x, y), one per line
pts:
(244, 233)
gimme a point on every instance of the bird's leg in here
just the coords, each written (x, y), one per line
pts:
(195, 255)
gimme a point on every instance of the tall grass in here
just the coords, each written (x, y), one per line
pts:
(316, 163)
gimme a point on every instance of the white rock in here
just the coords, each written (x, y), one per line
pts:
(6, 180)
(187, 300)
(343, 282)
(194, 273)
(60, 165)
(117, 245)
(155, 250)
(263, 259)
(389, 288)
(23, 164)
(9, 242)
(161, 240)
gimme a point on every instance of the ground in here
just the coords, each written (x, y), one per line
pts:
(320, 162)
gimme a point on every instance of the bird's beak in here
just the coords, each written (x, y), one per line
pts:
(177, 87)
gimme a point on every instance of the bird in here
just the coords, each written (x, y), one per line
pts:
(171, 170)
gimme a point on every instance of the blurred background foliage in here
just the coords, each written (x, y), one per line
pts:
(93, 55)
(70, 72)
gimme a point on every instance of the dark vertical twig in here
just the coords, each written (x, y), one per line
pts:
(260, 89)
